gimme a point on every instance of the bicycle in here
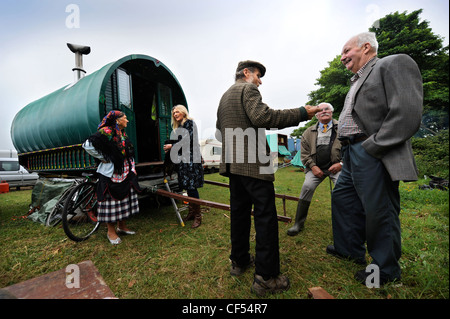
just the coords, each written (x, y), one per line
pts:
(79, 215)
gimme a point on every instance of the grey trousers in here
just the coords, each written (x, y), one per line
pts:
(311, 182)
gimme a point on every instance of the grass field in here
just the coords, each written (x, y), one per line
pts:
(167, 261)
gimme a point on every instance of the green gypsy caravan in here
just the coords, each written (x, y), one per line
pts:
(48, 133)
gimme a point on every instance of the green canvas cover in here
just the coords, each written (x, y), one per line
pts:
(45, 195)
(64, 117)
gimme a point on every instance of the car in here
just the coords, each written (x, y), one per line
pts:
(14, 174)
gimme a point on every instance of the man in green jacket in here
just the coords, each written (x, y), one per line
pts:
(321, 154)
(242, 118)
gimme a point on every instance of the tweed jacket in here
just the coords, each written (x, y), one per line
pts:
(308, 146)
(388, 109)
(241, 113)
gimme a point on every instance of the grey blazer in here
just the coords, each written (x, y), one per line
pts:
(388, 109)
(241, 112)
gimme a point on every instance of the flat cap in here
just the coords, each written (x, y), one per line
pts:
(251, 64)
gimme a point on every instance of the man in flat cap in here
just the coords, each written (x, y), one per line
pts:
(242, 118)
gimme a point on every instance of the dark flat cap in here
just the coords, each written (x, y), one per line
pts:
(251, 64)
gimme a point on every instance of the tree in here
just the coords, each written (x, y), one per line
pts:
(404, 33)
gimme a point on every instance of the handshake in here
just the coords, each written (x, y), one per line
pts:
(312, 110)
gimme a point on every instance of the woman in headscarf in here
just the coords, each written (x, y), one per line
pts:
(117, 185)
(187, 159)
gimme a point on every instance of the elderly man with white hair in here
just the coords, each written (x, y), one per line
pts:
(320, 153)
(381, 112)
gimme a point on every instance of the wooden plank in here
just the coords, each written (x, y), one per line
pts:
(319, 293)
(56, 285)
(208, 203)
(192, 200)
(282, 196)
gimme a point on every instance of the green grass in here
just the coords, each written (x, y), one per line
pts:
(167, 261)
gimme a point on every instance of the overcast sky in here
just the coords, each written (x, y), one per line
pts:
(200, 41)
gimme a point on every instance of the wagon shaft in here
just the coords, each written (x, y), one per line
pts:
(203, 202)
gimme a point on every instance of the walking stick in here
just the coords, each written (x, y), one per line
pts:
(331, 186)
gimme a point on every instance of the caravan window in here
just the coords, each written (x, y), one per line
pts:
(217, 151)
(124, 85)
(118, 91)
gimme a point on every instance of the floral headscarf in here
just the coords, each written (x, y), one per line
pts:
(111, 130)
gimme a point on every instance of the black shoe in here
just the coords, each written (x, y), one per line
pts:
(361, 276)
(332, 251)
(236, 270)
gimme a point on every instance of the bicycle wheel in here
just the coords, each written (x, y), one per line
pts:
(80, 212)
(55, 215)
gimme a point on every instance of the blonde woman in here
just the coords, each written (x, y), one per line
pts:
(184, 151)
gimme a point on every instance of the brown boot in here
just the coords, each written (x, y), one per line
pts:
(198, 216)
(191, 213)
(272, 285)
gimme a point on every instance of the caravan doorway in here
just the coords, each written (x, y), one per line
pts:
(147, 128)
